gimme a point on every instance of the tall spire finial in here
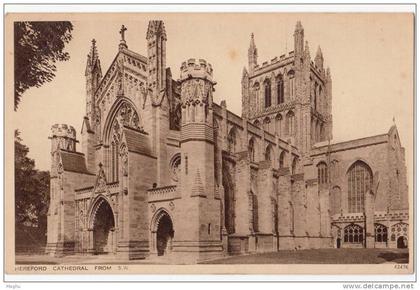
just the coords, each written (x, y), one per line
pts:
(252, 42)
(299, 44)
(252, 54)
(123, 44)
(299, 26)
(92, 57)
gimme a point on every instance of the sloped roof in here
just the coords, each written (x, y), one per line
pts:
(74, 162)
(137, 141)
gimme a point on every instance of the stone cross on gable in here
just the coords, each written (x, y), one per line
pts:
(122, 32)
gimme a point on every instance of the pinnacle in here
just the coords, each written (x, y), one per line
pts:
(306, 45)
(244, 71)
(198, 188)
(298, 26)
(319, 51)
(252, 42)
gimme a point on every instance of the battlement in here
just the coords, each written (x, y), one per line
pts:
(63, 130)
(194, 68)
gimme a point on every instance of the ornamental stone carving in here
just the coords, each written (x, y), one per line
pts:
(124, 159)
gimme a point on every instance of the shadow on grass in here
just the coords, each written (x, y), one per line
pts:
(401, 258)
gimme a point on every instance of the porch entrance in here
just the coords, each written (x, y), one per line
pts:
(103, 229)
(164, 235)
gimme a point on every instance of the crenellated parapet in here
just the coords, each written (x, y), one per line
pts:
(63, 136)
(196, 68)
(196, 79)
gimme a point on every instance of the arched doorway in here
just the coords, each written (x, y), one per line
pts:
(164, 234)
(103, 228)
(338, 243)
(402, 242)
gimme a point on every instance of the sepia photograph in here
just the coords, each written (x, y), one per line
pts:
(235, 142)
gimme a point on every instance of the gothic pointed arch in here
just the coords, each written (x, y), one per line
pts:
(280, 88)
(123, 114)
(256, 96)
(381, 233)
(359, 178)
(269, 152)
(290, 123)
(353, 234)
(95, 205)
(322, 173)
(278, 124)
(157, 217)
(162, 228)
(267, 93)
(282, 159)
(295, 165)
(252, 149)
(126, 114)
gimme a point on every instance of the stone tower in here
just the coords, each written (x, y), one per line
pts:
(289, 95)
(199, 208)
(61, 211)
(158, 113)
(91, 122)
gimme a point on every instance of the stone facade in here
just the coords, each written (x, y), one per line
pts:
(166, 171)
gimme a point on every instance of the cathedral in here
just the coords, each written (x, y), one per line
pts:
(165, 171)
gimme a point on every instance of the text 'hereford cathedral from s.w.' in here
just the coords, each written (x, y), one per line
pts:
(164, 171)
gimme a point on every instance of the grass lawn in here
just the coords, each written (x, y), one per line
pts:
(321, 256)
(314, 256)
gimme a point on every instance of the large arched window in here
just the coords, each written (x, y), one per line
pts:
(292, 92)
(322, 173)
(251, 150)
(290, 122)
(267, 93)
(359, 179)
(353, 234)
(123, 114)
(381, 233)
(280, 90)
(256, 89)
(232, 141)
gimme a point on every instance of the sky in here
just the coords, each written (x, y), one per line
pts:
(370, 57)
